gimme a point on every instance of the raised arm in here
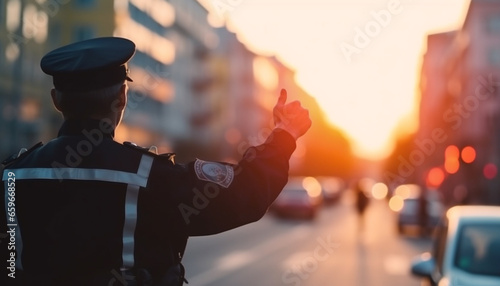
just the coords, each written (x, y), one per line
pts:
(216, 196)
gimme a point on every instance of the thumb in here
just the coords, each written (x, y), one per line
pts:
(279, 107)
(282, 98)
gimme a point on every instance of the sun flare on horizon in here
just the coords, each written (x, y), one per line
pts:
(365, 108)
(360, 59)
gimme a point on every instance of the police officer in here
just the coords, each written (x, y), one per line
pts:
(84, 209)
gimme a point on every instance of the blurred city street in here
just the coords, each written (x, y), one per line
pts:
(329, 250)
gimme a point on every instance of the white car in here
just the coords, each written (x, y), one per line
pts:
(466, 251)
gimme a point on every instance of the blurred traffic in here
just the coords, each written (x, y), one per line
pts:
(302, 197)
(330, 249)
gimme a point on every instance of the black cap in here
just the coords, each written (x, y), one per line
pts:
(89, 65)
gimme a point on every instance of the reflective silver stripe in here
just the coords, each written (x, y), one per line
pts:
(129, 225)
(131, 212)
(139, 179)
(13, 226)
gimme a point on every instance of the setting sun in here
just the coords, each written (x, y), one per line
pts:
(361, 60)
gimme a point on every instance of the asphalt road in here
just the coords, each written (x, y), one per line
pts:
(331, 250)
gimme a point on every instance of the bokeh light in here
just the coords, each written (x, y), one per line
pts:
(451, 152)
(379, 190)
(451, 165)
(407, 190)
(312, 186)
(435, 177)
(490, 171)
(468, 154)
(396, 203)
(451, 159)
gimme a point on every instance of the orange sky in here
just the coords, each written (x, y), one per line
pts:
(359, 58)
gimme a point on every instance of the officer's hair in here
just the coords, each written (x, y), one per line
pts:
(101, 102)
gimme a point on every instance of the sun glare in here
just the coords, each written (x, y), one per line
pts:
(360, 61)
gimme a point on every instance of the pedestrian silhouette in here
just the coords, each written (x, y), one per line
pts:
(362, 202)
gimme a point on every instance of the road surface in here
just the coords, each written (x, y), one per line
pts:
(330, 250)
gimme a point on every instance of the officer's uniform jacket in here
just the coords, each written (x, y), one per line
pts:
(86, 206)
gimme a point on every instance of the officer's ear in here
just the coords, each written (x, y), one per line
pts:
(123, 96)
(55, 99)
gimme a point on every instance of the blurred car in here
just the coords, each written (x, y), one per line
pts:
(331, 188)
(466, 250)
(300, 198)
(408, 213)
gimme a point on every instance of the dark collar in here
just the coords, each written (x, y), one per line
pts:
(88, 127)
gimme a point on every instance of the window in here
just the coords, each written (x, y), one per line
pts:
(2, 14)
(81, 33)
(55, 32)
(478, 249)
(84, 4)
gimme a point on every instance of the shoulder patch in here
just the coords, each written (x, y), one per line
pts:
(214, 172)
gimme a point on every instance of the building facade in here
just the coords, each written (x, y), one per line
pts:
(24, 89)
(460, 97)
